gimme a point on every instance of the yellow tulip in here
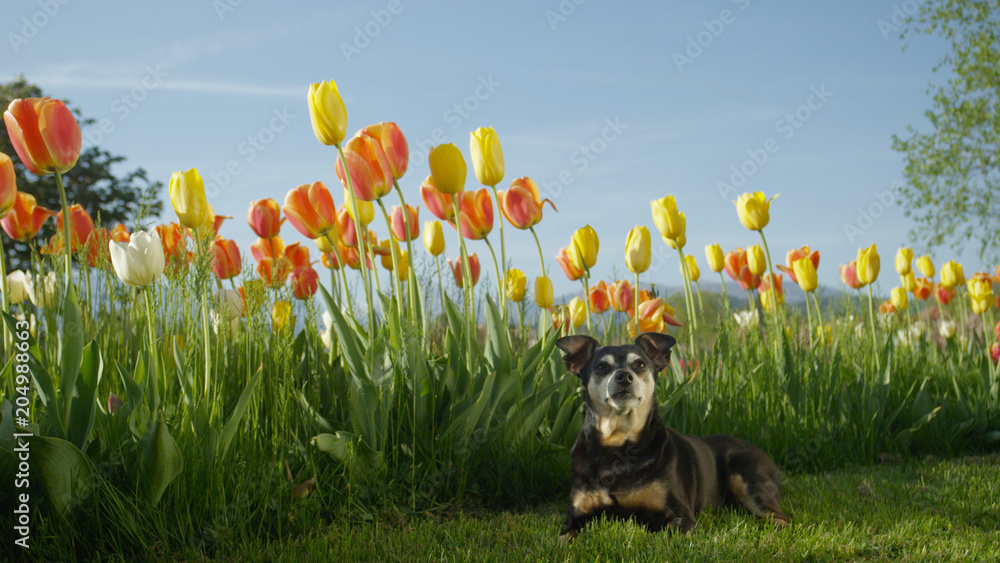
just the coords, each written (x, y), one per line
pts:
(899, 299)
(952, 274)
(434, 237)
(694, 274)
(543, 292)
(187, 194)
(583, 248)
(925, 266)
(805, 274)
(756, 260)
(715, 258)
(367, 208)
(577, 312)
(487, 156)
(327, 112)
(447, 168)
(637, 252)
(514, 284)
(754, 210)
(980, 294)
(680, 241)
(868, 264)
(281, 315)
(908, 281)
(667, 218)
(904, 259)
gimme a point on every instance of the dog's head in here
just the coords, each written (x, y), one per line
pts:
(617, 379)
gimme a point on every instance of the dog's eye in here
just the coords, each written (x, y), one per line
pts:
(638, 365)
(601, 369)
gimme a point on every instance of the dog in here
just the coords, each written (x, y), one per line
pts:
(628, 464)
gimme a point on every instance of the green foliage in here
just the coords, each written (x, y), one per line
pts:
(953, 170)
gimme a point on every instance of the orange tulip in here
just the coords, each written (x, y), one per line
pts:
(371, 175)
(599, 299)
(849, 275)
(923, 288)
(119, 233)
(8, 185)
(348, 254)
(522, 204)
(97, 254)
(297, 255)
(995, 353)
(309, 208)
(399, 223)
(739, 270)
(943, 295)
(475, 214)
(653, 316)
(265, 218)
(886, 307)
(796, 254)
(437, 202)
(226, 261)
(80, 224)
(305, 282)
(394, 144)
(25, 218)
(622, 295)
(346, 231)
(44, 133)
(273, 272)
(173, 237)
(273, 247)
(571, 271)
(456, 269)
(767, 295)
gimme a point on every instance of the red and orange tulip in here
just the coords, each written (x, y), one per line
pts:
(310, 209)
(475, 214)
(264, 217)
(437, 202)
(305, 282)
(943, 294)
(8, 185)
(568, 268)
(622, 296)
(226, 262)
(399, 223)
(81, 226)
(394, 144)
(739, 270)
(923, 288)
(25, 218)
(119, 233)
(849, 275)
(522, 204)
(44, 134)
(796, 254)
(599, 298)
(474, 269)
(371, 174)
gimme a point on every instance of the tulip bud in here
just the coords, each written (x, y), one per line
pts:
(908, 281)
(637, 251)
(487, 156)
(598, 297)
(754, 210)
(543, 292)
(868, 264)
(514, 284)
(693, 273)
(447, 168)
(904, 259)
(434, 238)
(713, 255)
(805, 275)
(281, 316)
(952, 274)
(399, 222)
(327, 113)
(584, 247)
(264, 217)
(44, 134)
(187, 194)
(140, 261)
(898, 298)
(667, 218)
(756, 260)
(577, 312)
(310, 209)
(925, 266)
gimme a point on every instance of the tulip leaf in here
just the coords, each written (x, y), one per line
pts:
(497, 343)
(72, 349)
(348, 339)
(160, 461)
(350, 450)
(526, 416)
(65, 473)
(229, 428)
(83, 406)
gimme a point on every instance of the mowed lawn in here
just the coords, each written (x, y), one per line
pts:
(899, 510)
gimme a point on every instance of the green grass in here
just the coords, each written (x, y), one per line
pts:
(914, 510)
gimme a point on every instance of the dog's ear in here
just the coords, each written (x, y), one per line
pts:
(578, 350)
(657, 347)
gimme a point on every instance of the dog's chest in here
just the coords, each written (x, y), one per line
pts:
(625, 477)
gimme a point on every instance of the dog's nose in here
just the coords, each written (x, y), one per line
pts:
(623, 377)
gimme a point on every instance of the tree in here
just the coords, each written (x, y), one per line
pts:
(953, 171)
(108, 198)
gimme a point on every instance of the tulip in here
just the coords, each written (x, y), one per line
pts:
(140, 261)
(18, 286)
(680, 241)
(577, 312)
(273, 247)
(215, 221)
(995, 353)
(368, 165)
(394, 145)
(522, 204)
(756, 260)
(44, 134)
(622, 296)
(433, 238)
(653, 315)
(96, 249)
(667, 218)
(346, 232)
(947, 329)
(770, 299)
(447, 168)
(327, 113)
(309, 208)
(583, 248)
(281, 316)
(738, 269)
(187, 194)
(898, 298)
(265, 218)
(475, 214)
(923, 288)
(849, 275)
(952, 274)
(543, 292)
(80, 224)
(25, 218)
(438, 203)
(230, 303)
(904, 260)
(980, 294)
(598, 297)
(273, 271)
(868, 264)
(514, 284)
(694, 274)
(8, 185)
(925, 266)
(713, 255)
(561, 319)
(305, 282)
(403, 269)
(119, 233)
(399, 222)
(908, 281)
(366, 210)
(487, 156)
(886, 307)
(456, 269)
(568, 268)
(943, 295)
(996, 327)
(805, 274)
(637, 251)
(754, 210)
(226, 261)
(297, 255)
(793, 256)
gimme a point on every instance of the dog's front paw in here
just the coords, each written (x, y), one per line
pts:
(567, 537)
(682, 524)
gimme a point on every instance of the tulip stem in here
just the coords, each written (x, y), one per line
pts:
(819, 315)
(199, 236)
(688, 299)
(871, 316)
(503, 254)
(773, 286)
(503, 305)
(541, 262)
(725, 294)
(4, 297)
(67, 242)
(635, 304)
(396, 263)
(411, 275)
(152, 346)
(470, 312)
(809, 319)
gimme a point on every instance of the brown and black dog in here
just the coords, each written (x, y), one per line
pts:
(628, 464)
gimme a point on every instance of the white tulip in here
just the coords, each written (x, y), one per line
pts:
(140, 261)
(18, 286)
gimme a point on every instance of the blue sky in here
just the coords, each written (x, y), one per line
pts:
(606, 105)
